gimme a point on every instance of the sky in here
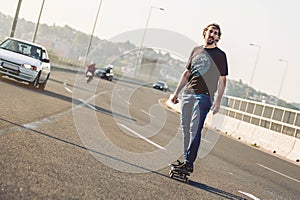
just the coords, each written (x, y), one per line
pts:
(271, 25)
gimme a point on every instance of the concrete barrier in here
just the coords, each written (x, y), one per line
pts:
(258, 136)
(209, 120)
(214, 121)
(294, 155)
(273, 141)
(230, 125)
(269, 140)
(244, 131)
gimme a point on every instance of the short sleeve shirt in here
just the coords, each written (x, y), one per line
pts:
(206, 66)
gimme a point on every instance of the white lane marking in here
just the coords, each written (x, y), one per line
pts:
(272, 170)
(249, 195)
(206, 141)
(143, 111)
(142, 137)
(87, 104)
(70, 91)
(36, 124)
(121, 97)
(232, 174)
(66, 88)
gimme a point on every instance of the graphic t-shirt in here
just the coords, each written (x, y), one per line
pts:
(206, 66)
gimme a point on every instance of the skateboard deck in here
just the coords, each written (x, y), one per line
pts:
(178, 173)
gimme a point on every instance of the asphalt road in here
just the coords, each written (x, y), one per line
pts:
(114, 140)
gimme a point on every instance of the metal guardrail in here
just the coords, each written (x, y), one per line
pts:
(275, 118)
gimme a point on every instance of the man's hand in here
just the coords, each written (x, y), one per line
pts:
(216, 107)
(174, 99)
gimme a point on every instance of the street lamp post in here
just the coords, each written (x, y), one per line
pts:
(283, 77)
(251, 79)
(38, 22)
(253, 72)
(13, 28)
(92, 35)
(147, 23)
(145, 30)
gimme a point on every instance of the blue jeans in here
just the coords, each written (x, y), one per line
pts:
(194, 111)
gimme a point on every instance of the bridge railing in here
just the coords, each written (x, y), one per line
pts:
(279, 119)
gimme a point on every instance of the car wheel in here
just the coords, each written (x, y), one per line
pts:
(43, 85)
(35, 83)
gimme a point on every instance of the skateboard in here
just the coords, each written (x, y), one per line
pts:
(176, 172)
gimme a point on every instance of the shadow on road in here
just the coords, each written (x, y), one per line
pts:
(65, 98)
(201, 186)
(76, 145)
(78, 102)
(221, 193)
(70, 85)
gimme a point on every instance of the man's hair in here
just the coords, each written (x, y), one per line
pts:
(216, 26)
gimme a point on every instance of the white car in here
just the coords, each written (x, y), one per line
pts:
(25, 61)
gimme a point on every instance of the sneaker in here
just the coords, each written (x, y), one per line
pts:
(185, 167)
(178, 164)
(190, 169)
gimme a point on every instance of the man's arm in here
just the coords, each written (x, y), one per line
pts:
(221, 89)
(182, 82)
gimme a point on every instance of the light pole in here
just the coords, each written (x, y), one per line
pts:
(38, 22)
(283, 77)
(92, 35)
(145, 30)
(256, 59)
(147, 23)
(13, 28)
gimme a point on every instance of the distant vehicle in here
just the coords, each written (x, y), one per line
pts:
(105, 73)
(90, 72)
(160, 85)
(25, 61)
(89, 77)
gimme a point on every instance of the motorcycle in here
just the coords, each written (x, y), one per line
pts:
(89, 76)
(90, 70)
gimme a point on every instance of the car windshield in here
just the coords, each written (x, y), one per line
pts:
(22, 48)
(160, 83)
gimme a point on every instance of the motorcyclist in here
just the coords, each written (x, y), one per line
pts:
(91, 68)
(90, 71)
(109, 69)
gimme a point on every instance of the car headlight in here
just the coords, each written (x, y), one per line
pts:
(27, 66)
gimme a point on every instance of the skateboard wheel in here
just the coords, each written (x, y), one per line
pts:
(171, 175)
